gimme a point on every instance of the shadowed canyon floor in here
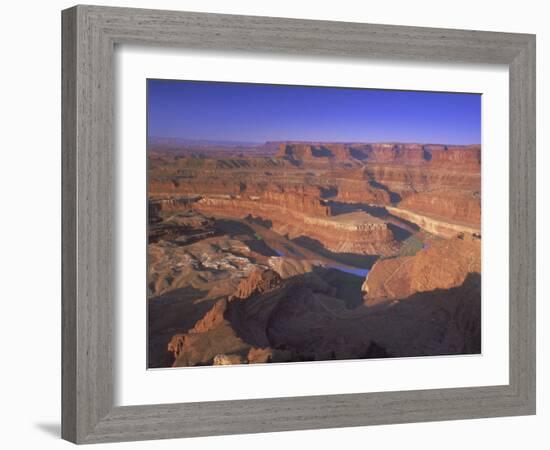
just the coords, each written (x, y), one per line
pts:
(298, 251)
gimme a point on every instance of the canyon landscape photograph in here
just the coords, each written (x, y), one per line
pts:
(292, 224)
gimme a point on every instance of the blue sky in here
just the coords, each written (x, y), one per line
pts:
(261, 112)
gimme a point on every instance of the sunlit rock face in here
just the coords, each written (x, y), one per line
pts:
(444, 264)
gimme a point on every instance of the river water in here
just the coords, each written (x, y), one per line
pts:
(346, 269)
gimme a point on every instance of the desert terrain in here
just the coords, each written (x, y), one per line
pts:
(310, 251)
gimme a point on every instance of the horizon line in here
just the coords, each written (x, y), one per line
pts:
(314, 141)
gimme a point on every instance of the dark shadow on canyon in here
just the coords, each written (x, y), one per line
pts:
(401, 228)
(259, 221)
(352, 259)
(358, 153)
(337, 208)
(321, 152)
(173, 312)
(434, 323)
(237, 229)
(394, 196)
(320, 316)
(233, 228)
(259, 246)
(399, 233)
(328, 191)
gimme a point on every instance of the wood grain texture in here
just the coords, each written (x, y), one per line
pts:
(89, 37)
(68, 225)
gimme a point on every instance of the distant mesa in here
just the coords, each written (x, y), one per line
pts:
(381, 152)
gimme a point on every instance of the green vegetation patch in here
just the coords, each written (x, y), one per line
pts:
(411, 246)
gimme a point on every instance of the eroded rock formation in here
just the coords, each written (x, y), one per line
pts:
(457, 206)
(264, 256)
(258, 281)
(444, 264)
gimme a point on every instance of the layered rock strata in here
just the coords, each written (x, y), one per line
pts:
(454, 205)
(259, 256)
(443, 265)
(438, 226)
(356, 232)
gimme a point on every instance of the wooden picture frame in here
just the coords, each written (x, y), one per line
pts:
(90, 34)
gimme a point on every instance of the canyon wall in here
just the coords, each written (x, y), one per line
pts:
(438, 227)
(455, 205)
(357, 233)
(436, 187)
(443, 265)
(426, 154)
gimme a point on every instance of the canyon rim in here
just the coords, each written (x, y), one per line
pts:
(297, 223)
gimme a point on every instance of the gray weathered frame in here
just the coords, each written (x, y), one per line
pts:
(89, 36)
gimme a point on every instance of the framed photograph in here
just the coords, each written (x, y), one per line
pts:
(277, 224)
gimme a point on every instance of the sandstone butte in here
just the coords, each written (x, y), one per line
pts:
(444, 264)
(254, 259)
